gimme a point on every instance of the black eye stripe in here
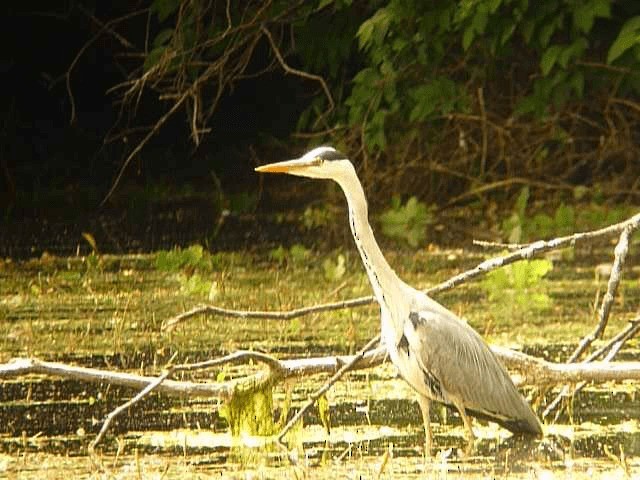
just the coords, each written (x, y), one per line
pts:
(332, 155)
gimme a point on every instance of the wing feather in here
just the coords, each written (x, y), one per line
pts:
(455, 355)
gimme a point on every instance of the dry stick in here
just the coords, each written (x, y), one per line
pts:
(483, 116)
(502, 245)
(523, 253)
(322, 390)
(114, 413)
(620, 254)
(619, 338)
(254, 314)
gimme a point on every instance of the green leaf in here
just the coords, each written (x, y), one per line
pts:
(153, 58)
(585, 14)
(374, 130)
(334, 270)
(164, 8)
(407, 223)
(575, 50)
(521, 202)
(628, 37)
(549, 58)
(373, 30)
(299, 252)
(577, 83)
(324, 413)
(163, 37)
(467, 37)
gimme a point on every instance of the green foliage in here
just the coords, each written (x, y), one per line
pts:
(519, 287)
(334, 269)
(409, 49)
(250, 413)
(191, 258)
(190, 266)
(297, 253)
(520, 227)
(324, 413)
(197, 286)
(314, 217)
(407, 222)
(523, 227)
(399, 72)
(628, 38)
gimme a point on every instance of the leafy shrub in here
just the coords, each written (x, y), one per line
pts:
(519, 287)
(407, 222)
(191, 258)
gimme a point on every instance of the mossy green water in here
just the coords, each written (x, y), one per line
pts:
(109, 309)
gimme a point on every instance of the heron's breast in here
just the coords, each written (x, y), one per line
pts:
(414, 371)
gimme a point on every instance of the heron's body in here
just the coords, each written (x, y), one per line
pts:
(439, 355)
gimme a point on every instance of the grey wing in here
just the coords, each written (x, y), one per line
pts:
(454, 355)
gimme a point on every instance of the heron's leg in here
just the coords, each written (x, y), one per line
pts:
(424, 403)
(457, 402)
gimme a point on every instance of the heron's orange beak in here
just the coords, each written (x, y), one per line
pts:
(288, 166)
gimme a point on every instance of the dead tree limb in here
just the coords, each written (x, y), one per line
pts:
(620, 255)
(523, 253)
(534, 371)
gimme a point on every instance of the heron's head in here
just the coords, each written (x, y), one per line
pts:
(321, 162)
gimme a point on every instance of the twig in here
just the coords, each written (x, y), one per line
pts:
(114, 413)
(327, 385)
(241, 355)
(533, 249)
(619, 339)
(105, 27)
(613, 347)
(620, 255)
(503, 183)
(254, 314)
(295, 71)
(485, 141)
(508, 246)
(142, 143)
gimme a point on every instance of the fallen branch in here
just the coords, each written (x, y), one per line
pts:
(620, 255)
(534, 371)
(523, 253)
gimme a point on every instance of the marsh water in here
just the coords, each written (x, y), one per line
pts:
(106, 311)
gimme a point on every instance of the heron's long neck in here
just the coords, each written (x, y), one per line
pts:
(386, 284)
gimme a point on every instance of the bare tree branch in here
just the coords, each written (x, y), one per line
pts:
(523, 253)
(299, 73)
(106, 27)
(620, 255)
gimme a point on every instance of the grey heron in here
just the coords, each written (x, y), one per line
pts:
(439, 355)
